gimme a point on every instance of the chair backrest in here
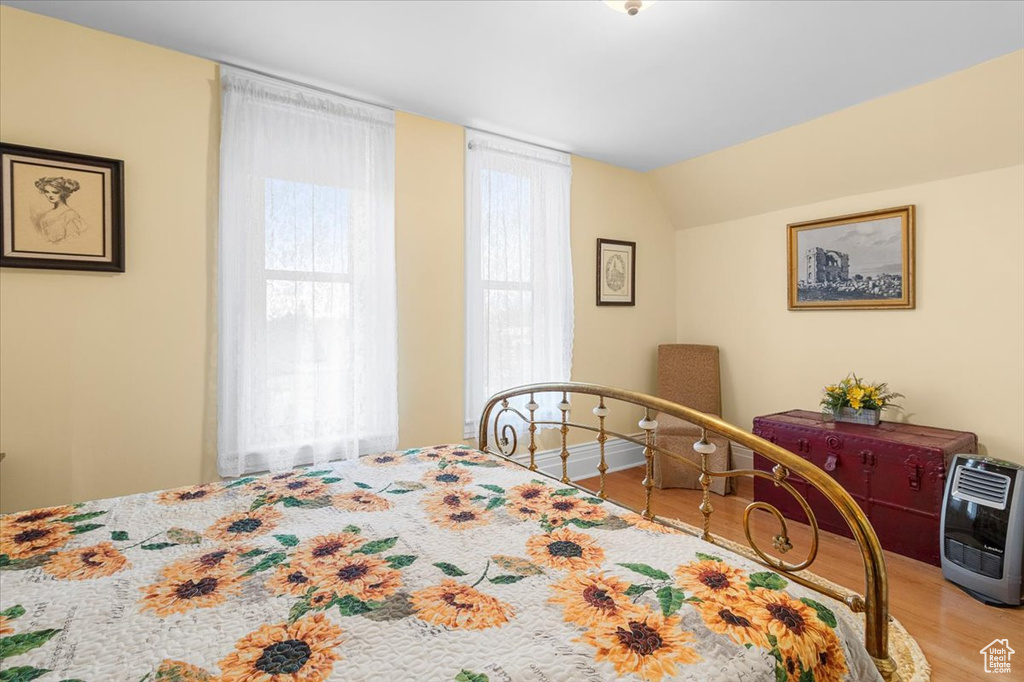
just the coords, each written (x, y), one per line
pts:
(688, 374)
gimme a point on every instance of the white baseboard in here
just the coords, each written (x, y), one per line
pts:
(618, 454)
(742, 458)
(585, 457)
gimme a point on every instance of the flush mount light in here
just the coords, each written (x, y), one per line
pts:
(630, 7)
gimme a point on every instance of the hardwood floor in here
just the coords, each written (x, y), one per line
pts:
(950, 626)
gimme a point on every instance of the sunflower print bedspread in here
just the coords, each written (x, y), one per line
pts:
(440, 563)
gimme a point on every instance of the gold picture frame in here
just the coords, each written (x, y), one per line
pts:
(859, 261)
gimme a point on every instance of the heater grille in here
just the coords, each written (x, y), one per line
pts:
(981, 561)
(984, 487)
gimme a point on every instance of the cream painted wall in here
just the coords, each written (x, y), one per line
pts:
(108, 382)
(613, 345)
(103, 377)
(958, 357)
(617, 346)
(969, 121)
(429, 250)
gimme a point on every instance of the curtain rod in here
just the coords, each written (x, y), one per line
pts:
(512, 139)
(291, 81)
(511, 152)
(335, 93)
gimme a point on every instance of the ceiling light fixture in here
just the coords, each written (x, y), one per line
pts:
(630, 7)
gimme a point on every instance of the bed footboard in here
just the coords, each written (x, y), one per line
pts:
(501, 423)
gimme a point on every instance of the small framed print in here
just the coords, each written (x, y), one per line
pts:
(616, 272)
(60, 211)
(860, 261)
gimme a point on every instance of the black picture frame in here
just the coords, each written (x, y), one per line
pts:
(105, 235)
(616, 270)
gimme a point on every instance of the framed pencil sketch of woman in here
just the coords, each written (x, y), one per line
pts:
(60, 210)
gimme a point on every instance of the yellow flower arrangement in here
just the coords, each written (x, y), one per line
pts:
(857, 394)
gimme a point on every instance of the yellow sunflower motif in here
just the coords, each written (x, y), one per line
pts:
(215, 561)
(524, 512)
(795, 626)
(592, 512)
(35, 516)
(272, 491)
(321, 599)
(449, 477)
(290, 579)
(360, 501)
(21, 541)
(446, 501)
(303, 651)
(458, 606)
(468, 517)
(358, 575)
(192, 493)
(830, 665)
(531, 494)
(639, 522)
(565, 549)
(324, 549)
(733, 619)
(714, 580)
(384, 459)
(593, 599)
(178, 671)
(562, 509)
(431, 455)
(650, 646)
(304, 487)
(244, 525)
(86, 563)
(466, 455)
(188, 592)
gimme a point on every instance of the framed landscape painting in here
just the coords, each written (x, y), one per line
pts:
(865, 261)
(616, 272)
(60, 210)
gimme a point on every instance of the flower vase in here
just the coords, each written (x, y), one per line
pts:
(862, 416)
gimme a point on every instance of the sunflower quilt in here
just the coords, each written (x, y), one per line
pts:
(439, 563)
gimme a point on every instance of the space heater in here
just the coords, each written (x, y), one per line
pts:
(982, 529)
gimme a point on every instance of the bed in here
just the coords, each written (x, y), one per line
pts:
(443, 563)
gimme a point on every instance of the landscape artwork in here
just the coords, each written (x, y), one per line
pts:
(856, 261)
(60, 210)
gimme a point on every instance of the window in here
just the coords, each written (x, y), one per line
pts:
(518, 270)
(308, 306)
(307, 361)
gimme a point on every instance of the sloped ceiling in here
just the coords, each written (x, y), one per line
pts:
(682, 79)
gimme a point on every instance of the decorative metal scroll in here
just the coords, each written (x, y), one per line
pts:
(874, 603)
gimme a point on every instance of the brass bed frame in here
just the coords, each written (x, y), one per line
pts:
(873, 603)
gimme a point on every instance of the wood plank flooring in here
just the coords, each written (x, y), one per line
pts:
(950, 626)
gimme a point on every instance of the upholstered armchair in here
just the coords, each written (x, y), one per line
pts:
(689, 375)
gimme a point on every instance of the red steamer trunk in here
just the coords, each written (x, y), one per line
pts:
(895, 472)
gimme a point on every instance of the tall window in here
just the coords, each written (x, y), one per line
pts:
(307, 361)
(519, 309)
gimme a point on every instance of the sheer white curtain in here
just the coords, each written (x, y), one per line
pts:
(519, 308)
(307, 312)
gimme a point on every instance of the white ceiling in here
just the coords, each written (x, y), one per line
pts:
(684, 78)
